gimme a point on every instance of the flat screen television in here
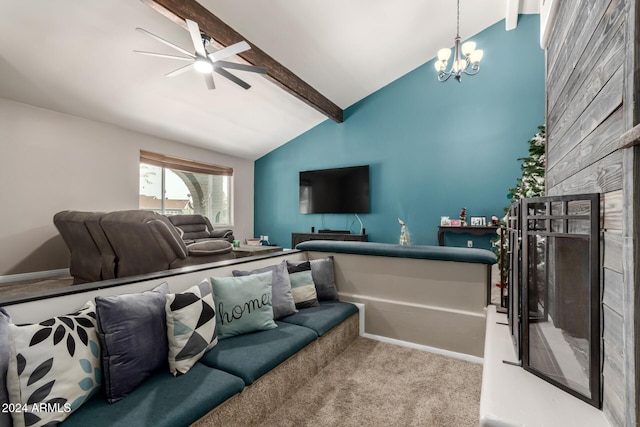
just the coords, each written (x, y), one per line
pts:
(341, 190)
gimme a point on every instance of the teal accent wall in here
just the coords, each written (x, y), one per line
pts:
(433, 147)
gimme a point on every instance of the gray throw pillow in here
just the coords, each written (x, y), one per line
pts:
(302, 286)
(5, 319)
(133, 334)
(281, 299)
(323, 277)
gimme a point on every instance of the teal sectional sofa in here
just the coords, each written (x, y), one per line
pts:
(434, 297)
(234, 364)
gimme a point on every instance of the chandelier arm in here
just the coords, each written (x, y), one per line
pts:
(473, 71)
(443, 77)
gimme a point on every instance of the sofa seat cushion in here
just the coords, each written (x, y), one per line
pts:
(252, 355)
(209, 247)
(323, 317)
(162, 400)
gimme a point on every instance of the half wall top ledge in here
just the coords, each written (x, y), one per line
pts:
(218, 30)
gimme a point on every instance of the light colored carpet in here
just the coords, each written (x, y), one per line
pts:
(378, 384)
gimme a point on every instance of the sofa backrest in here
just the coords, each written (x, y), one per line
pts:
(194, 226)
(92, 258)
(143, 241)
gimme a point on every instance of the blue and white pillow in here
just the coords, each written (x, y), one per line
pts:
(191, 326)
(5, 321)
(54, 367)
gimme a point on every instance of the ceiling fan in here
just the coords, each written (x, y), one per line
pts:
(203, 61)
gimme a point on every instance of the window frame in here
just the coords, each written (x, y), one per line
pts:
(191, 166)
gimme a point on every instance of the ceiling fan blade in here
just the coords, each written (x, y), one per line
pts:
(161, 40)
(231, 77)
(162, 55)
(228, 51)
(196, 38)
(208, 78)
(179, 70)
(243, 67)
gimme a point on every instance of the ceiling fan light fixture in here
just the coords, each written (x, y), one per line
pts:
(203, 65)
(203, 61)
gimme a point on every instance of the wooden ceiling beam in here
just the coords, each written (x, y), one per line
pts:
(179, 10)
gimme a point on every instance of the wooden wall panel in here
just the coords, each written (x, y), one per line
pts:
(601, 177)
(568, 56)
(611, 213)
(598, 144)
(559, 33)
(613, 252)
(613, 292)
(589, 79)
(613, 388)
(591, 93)
(613, 330)
(606, 102)
(599, 59)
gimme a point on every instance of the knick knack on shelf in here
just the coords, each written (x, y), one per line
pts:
(405, 239)
(463, 217)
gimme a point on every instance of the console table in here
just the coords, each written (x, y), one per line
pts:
(478, 230)
(304, 237)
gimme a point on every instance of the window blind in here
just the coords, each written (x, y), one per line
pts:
(170, 162)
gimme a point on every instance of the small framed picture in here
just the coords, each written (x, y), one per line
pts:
(455, 223)
(477, 221)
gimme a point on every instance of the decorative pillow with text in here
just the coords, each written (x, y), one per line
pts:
(243, 304)
(282, 299)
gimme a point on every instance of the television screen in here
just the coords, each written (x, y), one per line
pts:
(342, 190)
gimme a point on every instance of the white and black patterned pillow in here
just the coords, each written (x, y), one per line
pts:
(54, 367)
(191, 326)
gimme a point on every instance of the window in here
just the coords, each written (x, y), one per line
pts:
(172, 186)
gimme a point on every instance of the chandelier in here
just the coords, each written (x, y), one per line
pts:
(466, 59)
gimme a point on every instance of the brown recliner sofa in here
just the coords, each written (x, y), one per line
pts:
(145, 242)
(125, 243)
(92, 257)
(197, 228)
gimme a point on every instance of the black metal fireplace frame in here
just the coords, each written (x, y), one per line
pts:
(531, 227)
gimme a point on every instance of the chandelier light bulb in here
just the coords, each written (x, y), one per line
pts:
(203, 65)
(476, 56)
(444, 54)
(468, 48)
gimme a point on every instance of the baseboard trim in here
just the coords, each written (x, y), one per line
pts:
(428, 349)
(421, 347)
(34, 275)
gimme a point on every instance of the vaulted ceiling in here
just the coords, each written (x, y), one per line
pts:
(76, 57)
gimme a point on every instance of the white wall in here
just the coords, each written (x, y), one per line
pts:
(51, 162)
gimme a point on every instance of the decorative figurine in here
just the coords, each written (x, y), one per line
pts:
(494, 220)
(463, 217)
(405, 239)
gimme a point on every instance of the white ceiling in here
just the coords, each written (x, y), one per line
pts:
(76, 57)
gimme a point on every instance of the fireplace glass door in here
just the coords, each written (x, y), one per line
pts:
(561, 295)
